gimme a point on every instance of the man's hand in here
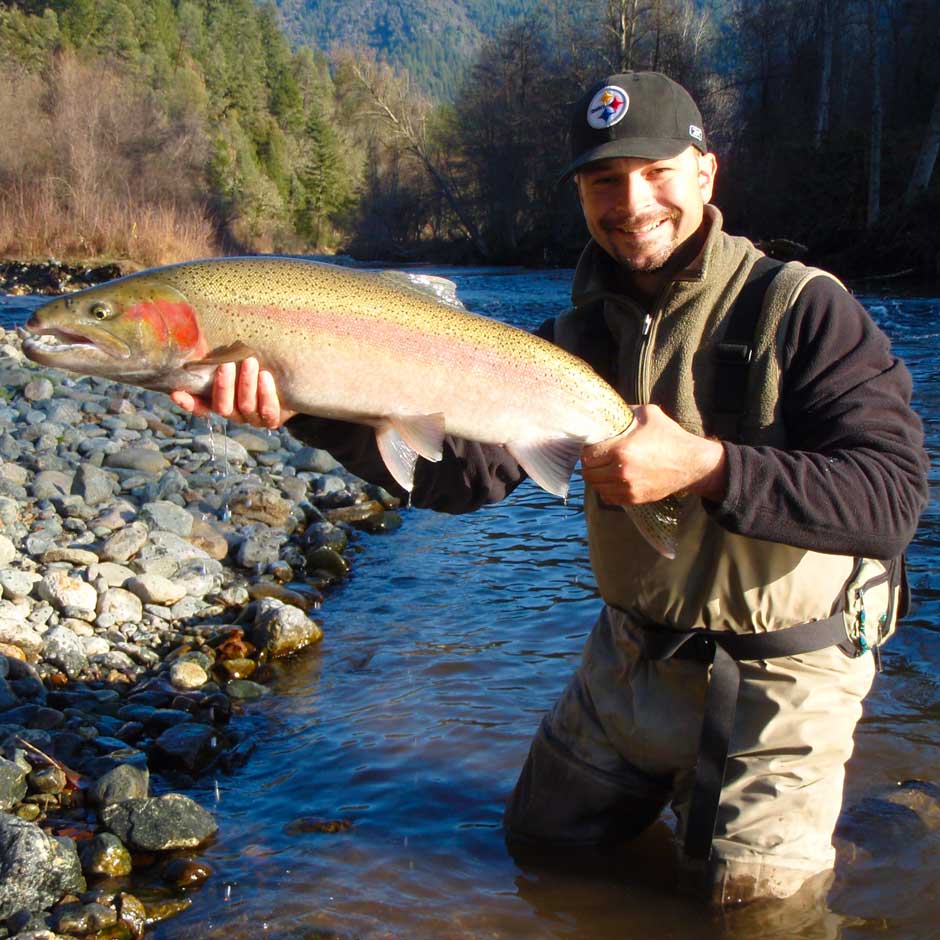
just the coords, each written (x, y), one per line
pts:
(655, 458)
(246, 394)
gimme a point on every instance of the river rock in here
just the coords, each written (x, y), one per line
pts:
(47, 780)
(261, 547)
(281, 629)
(38, 390)
(17, 585)
(12, 784)
(7, 552)
(191, 747)
(93, 484)
(106, 855)
(245, 690)
(125, 543)
(121, 605)
(142, 459)
(64, 649)
(185, 872)
(188, 675)
(83, 920)
(74, 556)
(162, 514)
(123, 782)
(221, 448)
(206, 537)
(36, 870)
(61, 590)
(114, 574)
(155, 589)
(51, 484)
(259, 505)
(19, 634)
(160, 824)
(313, 459)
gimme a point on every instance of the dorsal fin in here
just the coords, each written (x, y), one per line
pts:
(440, 288)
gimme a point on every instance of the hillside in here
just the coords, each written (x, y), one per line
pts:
(433, 39)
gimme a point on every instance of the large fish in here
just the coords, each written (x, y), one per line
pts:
(376, 348)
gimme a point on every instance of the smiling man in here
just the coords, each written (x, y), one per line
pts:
(727, 682)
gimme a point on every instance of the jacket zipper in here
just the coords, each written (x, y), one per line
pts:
(645, 346)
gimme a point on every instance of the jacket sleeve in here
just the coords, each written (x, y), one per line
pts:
(853, 480)
(469, 475)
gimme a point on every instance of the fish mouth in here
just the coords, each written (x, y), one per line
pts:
(47, 343)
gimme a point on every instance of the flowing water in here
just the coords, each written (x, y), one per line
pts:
(412, 718)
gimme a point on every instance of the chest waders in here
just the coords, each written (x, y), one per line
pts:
(856, 623)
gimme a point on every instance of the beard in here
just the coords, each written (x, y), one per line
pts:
(643, 260)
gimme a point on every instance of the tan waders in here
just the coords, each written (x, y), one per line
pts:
(624, 741)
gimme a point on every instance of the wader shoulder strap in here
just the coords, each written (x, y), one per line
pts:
(768, 295)
(735, 352)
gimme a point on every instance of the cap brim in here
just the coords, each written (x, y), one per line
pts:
(644, 148)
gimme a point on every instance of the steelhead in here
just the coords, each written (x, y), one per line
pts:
(387, 349)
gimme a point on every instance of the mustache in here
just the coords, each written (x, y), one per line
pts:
(636, 221)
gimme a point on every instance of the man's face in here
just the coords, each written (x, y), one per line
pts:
(640, 211)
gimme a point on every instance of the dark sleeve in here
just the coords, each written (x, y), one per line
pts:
(469, 475)
(853, 480)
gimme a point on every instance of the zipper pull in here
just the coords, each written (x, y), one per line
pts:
(647, 323)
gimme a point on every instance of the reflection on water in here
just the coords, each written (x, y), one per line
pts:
(412, 719)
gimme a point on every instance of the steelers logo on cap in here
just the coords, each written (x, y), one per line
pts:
(607, 107)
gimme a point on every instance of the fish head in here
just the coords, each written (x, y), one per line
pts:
(134, 329)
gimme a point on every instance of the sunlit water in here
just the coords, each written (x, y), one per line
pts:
(412, 719)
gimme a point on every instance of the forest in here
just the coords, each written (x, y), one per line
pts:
(157, 130)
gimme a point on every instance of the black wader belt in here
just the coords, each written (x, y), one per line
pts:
(722, 649)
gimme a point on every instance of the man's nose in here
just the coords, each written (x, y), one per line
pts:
(635, 193)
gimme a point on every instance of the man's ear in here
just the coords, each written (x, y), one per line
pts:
(707, 168)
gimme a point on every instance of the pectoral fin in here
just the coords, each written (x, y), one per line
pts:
(550, 463)
(422, 433)
(235, 352)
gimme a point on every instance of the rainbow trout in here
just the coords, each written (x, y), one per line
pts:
(391, 350)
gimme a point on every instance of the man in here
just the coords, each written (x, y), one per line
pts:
(727, 682)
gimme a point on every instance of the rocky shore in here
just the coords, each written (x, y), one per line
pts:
(151, 571)
(57, 277)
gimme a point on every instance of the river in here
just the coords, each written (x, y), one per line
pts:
(412, 718)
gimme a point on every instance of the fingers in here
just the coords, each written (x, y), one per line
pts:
(246, 389)
(188, 403)
(223, 389)
(244, 393)
(269, 407)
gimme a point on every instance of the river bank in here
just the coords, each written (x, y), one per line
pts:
(153, 574)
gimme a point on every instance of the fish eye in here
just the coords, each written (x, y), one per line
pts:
(100, 311)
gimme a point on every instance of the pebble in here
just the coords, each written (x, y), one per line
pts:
(188, 675)
(145, 572)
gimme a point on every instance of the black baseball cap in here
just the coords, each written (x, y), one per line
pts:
(633, 114)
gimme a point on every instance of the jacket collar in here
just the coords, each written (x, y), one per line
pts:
(598, 276)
